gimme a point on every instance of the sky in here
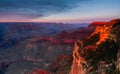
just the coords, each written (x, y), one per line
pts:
(67, 11)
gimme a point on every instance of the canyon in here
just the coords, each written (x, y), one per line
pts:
(57, 50)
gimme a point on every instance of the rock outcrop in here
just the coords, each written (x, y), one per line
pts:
(100, 51)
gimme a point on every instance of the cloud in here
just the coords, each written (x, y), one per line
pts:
(36, 8)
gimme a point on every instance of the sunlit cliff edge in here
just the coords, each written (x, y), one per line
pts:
(100, 53)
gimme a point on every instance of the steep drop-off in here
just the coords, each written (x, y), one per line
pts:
(100, 51)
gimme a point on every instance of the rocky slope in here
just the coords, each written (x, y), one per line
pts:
(53, 54)
(99, 54)
(63, 64)
(28, 46)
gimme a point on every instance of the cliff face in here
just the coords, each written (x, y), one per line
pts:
(78, 60)
(104, 30)
(100, 52)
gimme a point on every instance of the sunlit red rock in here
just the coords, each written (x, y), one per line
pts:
(104, 30)
(99, 23)
(77, 67)
(39, 71)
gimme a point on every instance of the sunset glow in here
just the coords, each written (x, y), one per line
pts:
(58, 11)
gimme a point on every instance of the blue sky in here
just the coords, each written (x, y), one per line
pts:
(58, 10)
